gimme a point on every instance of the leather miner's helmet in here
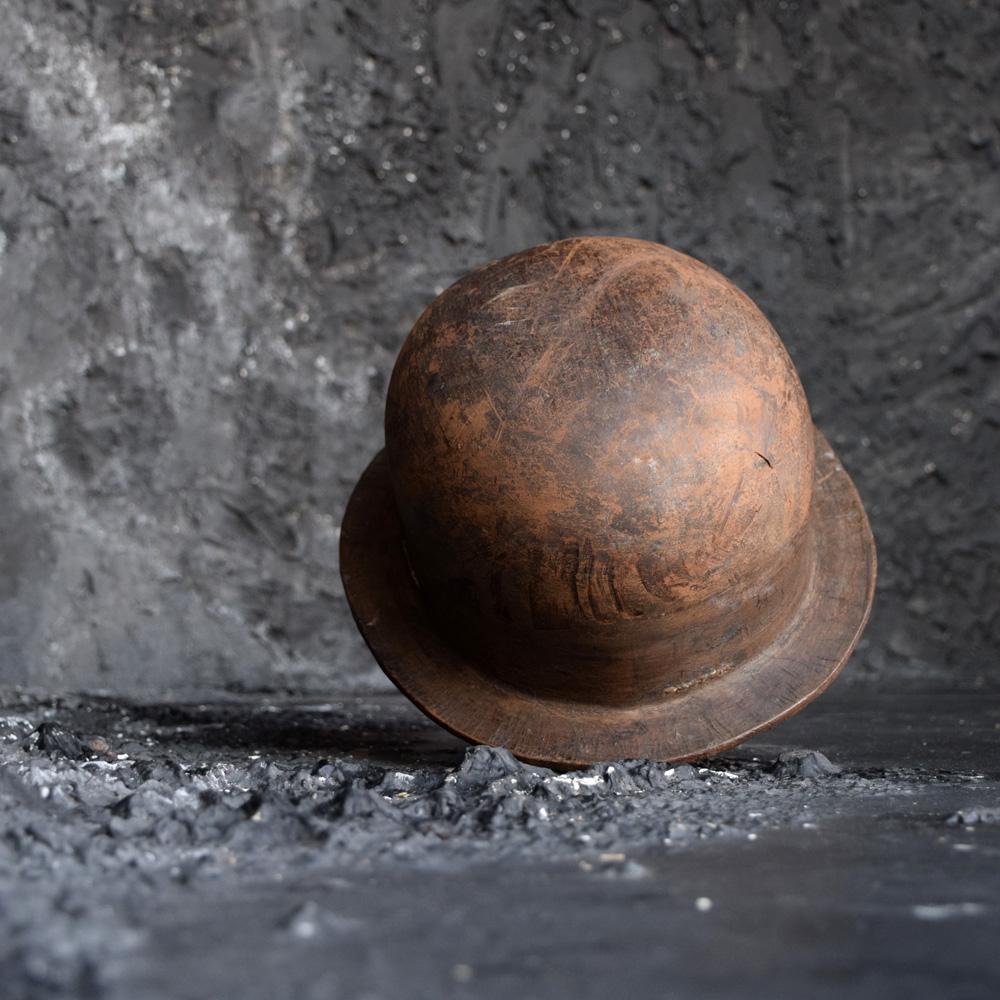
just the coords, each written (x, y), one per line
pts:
(604, 525)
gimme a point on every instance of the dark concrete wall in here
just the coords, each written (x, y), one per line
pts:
(218, 220)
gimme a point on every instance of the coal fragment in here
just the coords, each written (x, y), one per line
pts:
(483, 765)
(53, 738)
(804, 764)
(974, 817)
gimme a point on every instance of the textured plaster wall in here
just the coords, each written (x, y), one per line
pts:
(219, 219)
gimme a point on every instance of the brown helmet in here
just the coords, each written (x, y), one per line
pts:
(603, 524)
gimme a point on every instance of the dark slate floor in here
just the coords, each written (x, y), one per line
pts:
(259, 847)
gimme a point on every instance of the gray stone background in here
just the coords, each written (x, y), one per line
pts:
(218, 219)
